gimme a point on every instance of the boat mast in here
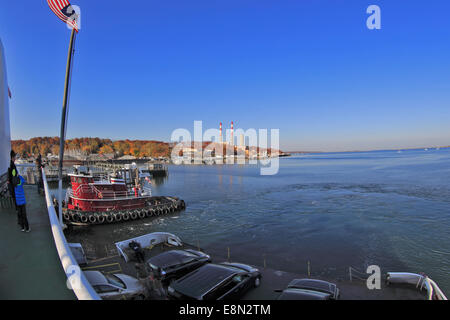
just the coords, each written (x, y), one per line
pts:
(64, 117)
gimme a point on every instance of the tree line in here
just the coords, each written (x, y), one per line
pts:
(86, 146)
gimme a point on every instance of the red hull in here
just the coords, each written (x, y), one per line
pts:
(87, 195)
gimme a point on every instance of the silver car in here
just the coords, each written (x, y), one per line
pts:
(115, 286)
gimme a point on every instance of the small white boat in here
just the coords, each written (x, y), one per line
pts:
(147, 241)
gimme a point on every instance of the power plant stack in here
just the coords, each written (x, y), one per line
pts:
(220, 134)
(232, 131)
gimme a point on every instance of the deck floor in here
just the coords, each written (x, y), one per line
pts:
(30, 268)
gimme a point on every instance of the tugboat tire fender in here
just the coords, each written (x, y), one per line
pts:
(141, 213)
(133, 214)
(92, 218)
(109, 218)
(101, 218)
(75, 216)
(83, 218)
(126, 216)
(118, 216)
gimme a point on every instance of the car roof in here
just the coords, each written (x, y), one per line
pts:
(202, 280)
(169, 258)
(95, 278)
(313, 284)
(302, 294)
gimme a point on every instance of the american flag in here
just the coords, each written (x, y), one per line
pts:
(64, 11)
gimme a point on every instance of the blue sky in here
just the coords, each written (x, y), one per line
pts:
(309, 68)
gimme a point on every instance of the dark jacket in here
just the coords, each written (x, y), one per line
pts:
(12, 166)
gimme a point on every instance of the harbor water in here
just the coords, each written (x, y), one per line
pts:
(322, 212)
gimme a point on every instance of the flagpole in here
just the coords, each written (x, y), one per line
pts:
(64, 119)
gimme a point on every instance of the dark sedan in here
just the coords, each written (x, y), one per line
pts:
(309, 289)
(215, 282)
(174, 264)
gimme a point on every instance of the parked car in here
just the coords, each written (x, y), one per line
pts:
(215, 282)
(174, 264)
(115, 286)
(309, 289)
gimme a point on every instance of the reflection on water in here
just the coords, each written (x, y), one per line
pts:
(332, 210)
(159, 180)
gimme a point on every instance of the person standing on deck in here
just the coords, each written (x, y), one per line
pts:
(12, 169)
(39, 168)
(21, 203)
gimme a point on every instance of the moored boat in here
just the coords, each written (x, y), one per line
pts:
(94, 199)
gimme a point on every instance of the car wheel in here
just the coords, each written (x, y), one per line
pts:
(257, 282)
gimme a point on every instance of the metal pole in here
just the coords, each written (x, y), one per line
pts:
(64, 120)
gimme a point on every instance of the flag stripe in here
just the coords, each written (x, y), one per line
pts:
(58, 6)
(56, 10)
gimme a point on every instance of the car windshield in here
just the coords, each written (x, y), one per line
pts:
(115, 281)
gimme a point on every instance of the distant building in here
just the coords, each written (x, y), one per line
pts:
(127, 157)
(100, 157)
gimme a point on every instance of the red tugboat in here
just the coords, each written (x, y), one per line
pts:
(92, 200)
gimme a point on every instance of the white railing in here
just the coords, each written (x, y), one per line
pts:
(82, 189)
(81, 287)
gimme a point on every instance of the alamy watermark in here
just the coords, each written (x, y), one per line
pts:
(74, 14)
(211, 146)
(374, 20)
(73, 273)
(374, 280)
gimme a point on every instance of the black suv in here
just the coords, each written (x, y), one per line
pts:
(309, 289)
(215, 282)
(174, 264)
